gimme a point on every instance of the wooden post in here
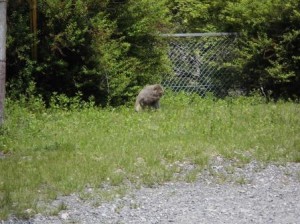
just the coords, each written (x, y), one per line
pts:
(3, 29)
(33, 26)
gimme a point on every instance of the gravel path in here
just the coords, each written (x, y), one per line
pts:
(223, 193)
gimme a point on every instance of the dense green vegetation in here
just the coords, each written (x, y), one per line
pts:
(48, 152)
(103, 49)
(108, 49)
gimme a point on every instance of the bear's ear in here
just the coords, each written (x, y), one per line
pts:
(158, 87)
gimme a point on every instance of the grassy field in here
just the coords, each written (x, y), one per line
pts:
(51, 152)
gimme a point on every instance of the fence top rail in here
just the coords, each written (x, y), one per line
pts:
(197, 34)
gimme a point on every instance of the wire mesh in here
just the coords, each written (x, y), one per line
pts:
(198, 62)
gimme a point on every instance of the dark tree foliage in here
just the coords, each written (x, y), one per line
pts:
(104, 49)
(108, 49)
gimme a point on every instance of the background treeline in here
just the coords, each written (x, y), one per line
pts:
(105, 50)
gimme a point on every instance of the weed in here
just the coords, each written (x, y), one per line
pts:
(241, 181)
(55, 211)
(191, 176)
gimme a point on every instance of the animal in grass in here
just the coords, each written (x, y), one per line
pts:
(149, 96)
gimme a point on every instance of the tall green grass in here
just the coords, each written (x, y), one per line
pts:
(51, 152)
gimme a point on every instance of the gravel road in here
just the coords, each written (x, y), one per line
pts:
(224, 193)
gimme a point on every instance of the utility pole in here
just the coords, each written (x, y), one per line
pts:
(33, 26)
(3, 29)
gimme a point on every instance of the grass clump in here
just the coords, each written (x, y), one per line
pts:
(51, 152)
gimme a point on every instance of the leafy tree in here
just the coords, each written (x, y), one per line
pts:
(104, 49)
(139, 55)
(108, 49)
(269, 49)
(197, 15)
(267, 55)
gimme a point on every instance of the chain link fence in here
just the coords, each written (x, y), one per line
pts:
(199, 62)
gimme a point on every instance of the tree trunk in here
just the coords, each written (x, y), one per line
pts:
(33, 25)
(3, 28)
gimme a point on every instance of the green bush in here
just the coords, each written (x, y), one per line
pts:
(268, 54)
(107, 50)
(102, 49)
